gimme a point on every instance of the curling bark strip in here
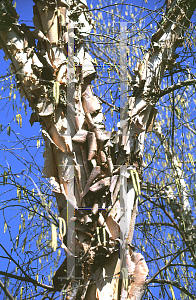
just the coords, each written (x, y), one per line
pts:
(56, 79)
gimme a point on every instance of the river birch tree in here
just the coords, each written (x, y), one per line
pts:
(96, 175)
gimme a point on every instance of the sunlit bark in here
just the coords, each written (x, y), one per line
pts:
(81, 159)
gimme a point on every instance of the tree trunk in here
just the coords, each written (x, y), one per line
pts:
(81, 160)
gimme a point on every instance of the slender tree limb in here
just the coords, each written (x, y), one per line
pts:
(164, 267)
(164, 256)
(173, 115)
(155, 224)
(6, 291)
(183, 265)
(182, 234)
(176, 86)
(137, 6)
(14, 261)
(174, 283)
(114, 107)
(187, 126)
(27, 279)
(176, 226)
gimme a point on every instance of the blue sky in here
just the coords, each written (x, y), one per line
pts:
(16, 155)
(24, 8)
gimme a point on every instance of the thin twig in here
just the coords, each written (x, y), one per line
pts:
(27, 279)
(174, 283)
(164, 267)
(6, 291)
(176, 86)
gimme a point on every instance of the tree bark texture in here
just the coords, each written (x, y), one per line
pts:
(95, 174)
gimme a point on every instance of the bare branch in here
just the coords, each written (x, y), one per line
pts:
(164, 267)
(26, 279)
(174, 283)
(176, 86)
(6, 291)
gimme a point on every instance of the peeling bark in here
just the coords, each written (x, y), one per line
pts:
(77, 143)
